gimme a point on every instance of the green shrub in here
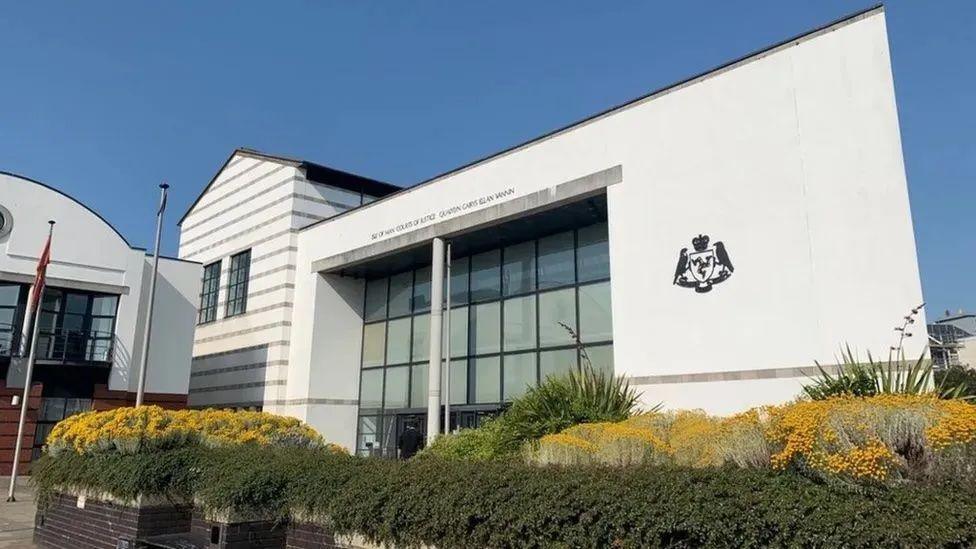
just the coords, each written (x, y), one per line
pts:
(451, 504)
(484, 443)
(958, 376)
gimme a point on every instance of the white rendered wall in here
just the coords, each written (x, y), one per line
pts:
(87, 254)
(257, 204)
(792, 159)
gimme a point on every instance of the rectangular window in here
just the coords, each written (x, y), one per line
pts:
(209, 293)
(395, 392)
(593, 253)
(459, 381)
(557, 263)
(421, 338)
(557, 363)
(487, 378)
(418, 386)
(371, 389)
(485, 328)
(519, 374)
(459, 281)
(240, 271)
(485, 276)
(596, 322)
(557, 310)
(401, 292)
(374, 344)
(375, 300)
(519, 316)
(518, 271)
(398, 341)
(421, 290)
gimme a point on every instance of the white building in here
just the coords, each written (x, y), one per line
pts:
(709, 241)
(92, 313)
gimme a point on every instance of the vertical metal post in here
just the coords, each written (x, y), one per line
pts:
(28, 379)
(143, 362)
(447, 342)
(436, 343)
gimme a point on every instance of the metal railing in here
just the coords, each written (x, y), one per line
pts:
(74, 346)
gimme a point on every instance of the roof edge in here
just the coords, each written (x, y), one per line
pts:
(374, 184)
(714, 71)
(76, 201)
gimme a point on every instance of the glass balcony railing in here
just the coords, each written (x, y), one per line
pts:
(73, 346)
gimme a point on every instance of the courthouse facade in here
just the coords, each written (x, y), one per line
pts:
(709, 241)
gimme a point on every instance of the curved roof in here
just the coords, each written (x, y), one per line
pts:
(73, 199)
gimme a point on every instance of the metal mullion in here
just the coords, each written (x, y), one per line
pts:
(538, 336)
(501, 325)
(579, 331)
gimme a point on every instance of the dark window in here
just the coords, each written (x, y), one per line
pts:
(11, 316)
(240, 267)
(209, 293)
(76, 326)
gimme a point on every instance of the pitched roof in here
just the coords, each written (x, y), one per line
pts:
(313, 172)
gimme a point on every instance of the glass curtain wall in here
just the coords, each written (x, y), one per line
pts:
(512, 310)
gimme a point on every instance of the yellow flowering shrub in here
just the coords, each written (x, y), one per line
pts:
(147, 428)
(859, 439)
(875, 438)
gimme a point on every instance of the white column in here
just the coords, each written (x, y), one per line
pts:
(436, 341)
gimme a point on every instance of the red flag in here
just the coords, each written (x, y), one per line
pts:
(39, 279)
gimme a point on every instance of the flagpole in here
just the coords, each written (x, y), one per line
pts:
(29, 378)
(140, 393)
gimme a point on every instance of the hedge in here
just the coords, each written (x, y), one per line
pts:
(505, 504)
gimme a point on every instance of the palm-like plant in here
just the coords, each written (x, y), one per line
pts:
(896, 376)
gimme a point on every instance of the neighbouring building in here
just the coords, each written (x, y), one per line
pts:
(709, 241)
(92, 315)
(952, 340)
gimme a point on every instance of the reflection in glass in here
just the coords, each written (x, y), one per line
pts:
(371, 389)
(485, 328)
(398, 341)
(556, 260)
(596, 322)
(395, 393)
(593, 253)
(557, 363)
(375, 300)
(486, 380)
(520, 323)
(421, 337)
(459, 332)
(374, 344)
(485, 277)
(555, 309)
(421, 290)
(519, 374)
(418, 386)
(401, 290)
(601, 357)
(459, 281)
(459, 382)
(518, 272)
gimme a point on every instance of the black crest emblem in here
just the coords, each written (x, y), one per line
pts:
(704, 267)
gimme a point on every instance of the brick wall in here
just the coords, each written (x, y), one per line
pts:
(63, 525)
(9, 416)
(105, 399)
(264, 534)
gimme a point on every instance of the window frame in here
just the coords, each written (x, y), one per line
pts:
(240, 300)
(206, 292)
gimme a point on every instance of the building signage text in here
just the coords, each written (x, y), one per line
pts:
(444, 213)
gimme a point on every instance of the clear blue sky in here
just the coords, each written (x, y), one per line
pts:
(104, 100)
